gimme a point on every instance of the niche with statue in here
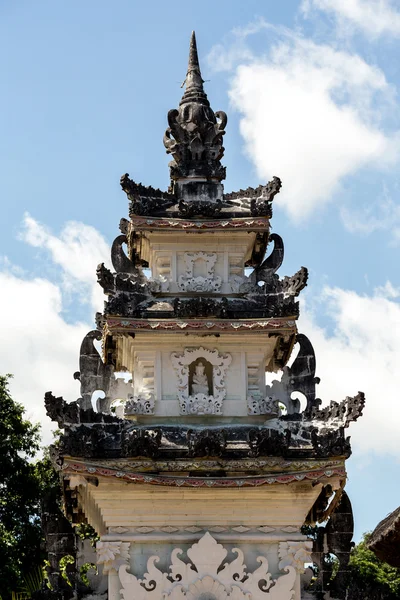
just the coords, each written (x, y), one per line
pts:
(200, 374)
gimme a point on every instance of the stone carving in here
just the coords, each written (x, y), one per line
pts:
(142, 442)
(112, 555)
(145, 200)
(199, 208)
(105, 278)
(268, 442)
(258, 200)
(261, 206)
(209, 283)
(120, 262)
(292, 286)
(300, 377)
(94, 375)
(195, 132)
(331, 443)
(200, 384)
(271, 264)
(257, 405)
(200, 403)
(206, 576)
(335, 538)
(201, 307)
(59, 410)
(91, 440)
(139, 405)
(295, 554)
(340, 413)
(206, 442)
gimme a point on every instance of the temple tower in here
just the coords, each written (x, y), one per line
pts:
(198, 477)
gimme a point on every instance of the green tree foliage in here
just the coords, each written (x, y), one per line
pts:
(366, 567)
(23, 482)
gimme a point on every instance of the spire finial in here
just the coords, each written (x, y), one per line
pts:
(194, 136)
(194, 91)
(193, 56)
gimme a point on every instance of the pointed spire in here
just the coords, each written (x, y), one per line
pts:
(195, 134)
(194, 91)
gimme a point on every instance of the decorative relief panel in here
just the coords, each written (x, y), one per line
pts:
(139, 405)
(161, 270)
(112, 555)
(208, 283)
(206, 576)
(295, 554)
(141, 402)
(201, 380)
(257, 405)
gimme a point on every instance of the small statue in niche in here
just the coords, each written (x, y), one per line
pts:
(200, 377)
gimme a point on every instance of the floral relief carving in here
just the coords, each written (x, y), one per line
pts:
(197, 395)
(207, 576)
(257, 405)
(112, 555)
(209, 283)
(143, 404)
(295, 554)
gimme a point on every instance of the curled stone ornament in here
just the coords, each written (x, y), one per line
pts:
(207, 576)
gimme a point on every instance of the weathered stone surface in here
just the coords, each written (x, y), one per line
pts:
(206, 442)
(194, 135)
(335, 538)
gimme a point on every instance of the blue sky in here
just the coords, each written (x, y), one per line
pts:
(311, 92)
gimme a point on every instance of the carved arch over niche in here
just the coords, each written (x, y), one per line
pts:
(208, 576)
(201, 403)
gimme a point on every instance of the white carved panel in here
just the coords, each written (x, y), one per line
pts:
(201, 403)
(112, 555)
(208, 283)
(208, 576)
(257, 405)
(295, 554)
(142, 400)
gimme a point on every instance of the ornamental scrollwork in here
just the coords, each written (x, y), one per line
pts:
(112, 555)
(208, 576)
(210, 283)
(143, 404)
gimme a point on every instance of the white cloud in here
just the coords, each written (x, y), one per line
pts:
(373, 17)
(382, 214)
(361, 354)
(41, 348)
(309, 113)
(78, 250)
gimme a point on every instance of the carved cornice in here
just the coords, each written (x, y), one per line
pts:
(259, 465)
(220, 482)
(237, 530)
(248, 224)
(117, 324)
